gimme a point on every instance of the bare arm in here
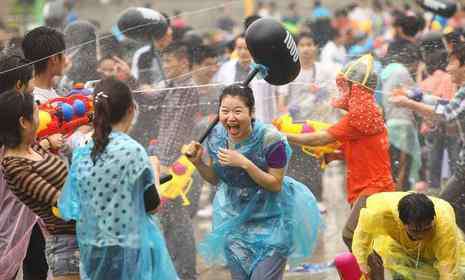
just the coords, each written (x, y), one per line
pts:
(194, 152)
(23, 181)
(207, 172)
(440, 109)
(311, 139)
(420, 108)
(271, 181)
(157, 168)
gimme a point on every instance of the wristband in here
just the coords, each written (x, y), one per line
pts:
(415, 94)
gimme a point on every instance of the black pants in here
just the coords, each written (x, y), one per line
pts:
(438, 142)
(306, 169)
(454, 193)
(401, 163)
(35, 265)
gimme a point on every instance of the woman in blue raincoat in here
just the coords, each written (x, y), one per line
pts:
(104, 193)
(261, 218)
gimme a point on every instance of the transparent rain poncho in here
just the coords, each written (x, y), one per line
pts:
(16, 223)
(250, 223)
(402, 130)
(117, 238)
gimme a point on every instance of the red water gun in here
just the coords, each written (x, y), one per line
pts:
(64, 115)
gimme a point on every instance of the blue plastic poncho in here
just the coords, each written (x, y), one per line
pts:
(250, 223)
(400, 122)
(117, 238)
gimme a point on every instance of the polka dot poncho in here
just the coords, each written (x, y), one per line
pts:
(106, 198)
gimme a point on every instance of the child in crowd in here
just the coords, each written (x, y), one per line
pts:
(363, 136)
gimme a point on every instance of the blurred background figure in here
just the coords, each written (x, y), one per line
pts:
(81, 42)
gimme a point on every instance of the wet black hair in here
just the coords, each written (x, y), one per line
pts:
(178, 49)
(454, 37)
(410, 25)
(249, 20)
(167, 17)
(406, 54)
(194, 42)
(245, 93)
(13, 106)
(13, 69)
(437, 60)
(110, 46)
(81, 38)
(112, 99)
(416, 208)
(322, 31)
(458, 52)
(202, 53)
(303, 35)
(42, 43)
(103, 58)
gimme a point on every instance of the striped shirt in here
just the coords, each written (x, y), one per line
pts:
(454, 110)
(36, 183)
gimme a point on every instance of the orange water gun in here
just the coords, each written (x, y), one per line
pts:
(285, 124)
(64, 115)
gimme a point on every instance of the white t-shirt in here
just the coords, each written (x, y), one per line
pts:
(43, 95)
(331, 53)
(314, 106)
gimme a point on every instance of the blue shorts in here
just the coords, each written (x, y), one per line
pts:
(271, 268)
(62, 253)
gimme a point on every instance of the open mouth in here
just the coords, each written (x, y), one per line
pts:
(233, 129)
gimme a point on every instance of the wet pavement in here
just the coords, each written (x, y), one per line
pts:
(330, 243)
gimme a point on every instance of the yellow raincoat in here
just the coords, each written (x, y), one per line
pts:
(440, 255)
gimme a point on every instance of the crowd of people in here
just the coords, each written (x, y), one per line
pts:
(388, 81)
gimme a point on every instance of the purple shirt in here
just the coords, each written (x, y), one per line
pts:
(276, 156)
